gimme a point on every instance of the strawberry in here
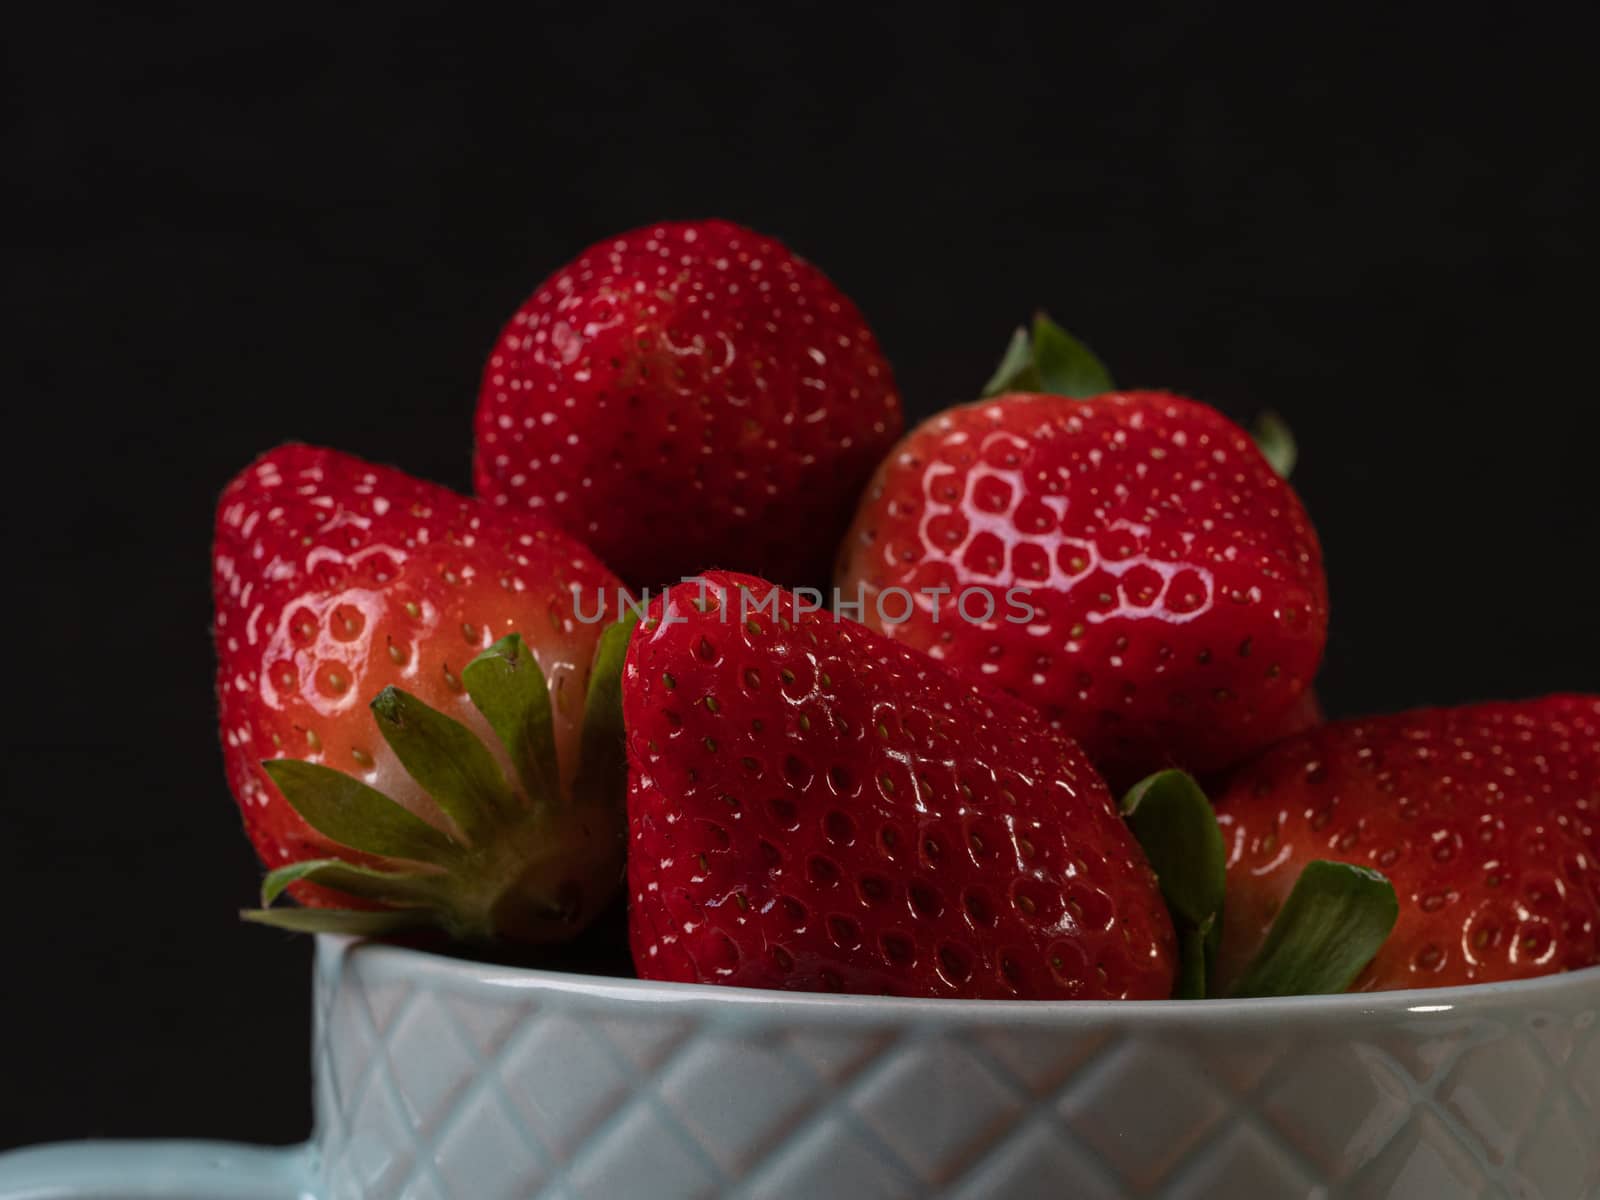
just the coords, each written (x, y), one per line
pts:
(815, 807)
(1306, 713)
(1129, 563)
(685, 395)
(486, 797)
(1485, 818)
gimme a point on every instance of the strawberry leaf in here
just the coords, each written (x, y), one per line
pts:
(1066, 366)
(603, 769)
(449, 761)
(1016, 372)
(1048, 359)
(1194, 956)
(509, 689)
(349, 812)
(1172, 819)
(356, 922)
(1174, 824)
(387, 886)
(1333, 923)
(1276, 442)
(532, 870)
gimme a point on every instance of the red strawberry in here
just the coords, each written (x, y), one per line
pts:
(1306, 713)
(1170, 605)
(814, 807)
(1485, 818)
(337, 583)
(687, 395)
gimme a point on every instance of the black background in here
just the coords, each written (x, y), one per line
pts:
(241, 226)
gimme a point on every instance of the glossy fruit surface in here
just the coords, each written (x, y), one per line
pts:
(685, 396)
(335, 579)
(815, 807)
(1129, 564)
(1486, 818)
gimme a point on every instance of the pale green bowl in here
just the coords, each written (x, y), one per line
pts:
(439, 1078)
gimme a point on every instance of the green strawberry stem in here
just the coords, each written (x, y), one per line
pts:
(521, 860)
(1174, 823)
(1276, 442)
(1049, 360)
(1332, 925)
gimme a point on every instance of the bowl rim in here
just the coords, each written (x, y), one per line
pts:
(390, 960)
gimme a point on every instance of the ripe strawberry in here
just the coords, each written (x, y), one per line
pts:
(1305, 713)
(814, 807)
(1486, 819)
(337, 583)
(685, 395)
(1170, 605)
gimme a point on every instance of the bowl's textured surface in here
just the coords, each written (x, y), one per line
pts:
(438, 1078)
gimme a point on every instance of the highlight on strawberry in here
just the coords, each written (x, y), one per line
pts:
(1179, 606)
(420, 717)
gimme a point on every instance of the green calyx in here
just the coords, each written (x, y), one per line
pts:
(1173, 821)
(1332, 925)
(1048, 359)
(518, 857)
(1275, 440)
(1335, 920)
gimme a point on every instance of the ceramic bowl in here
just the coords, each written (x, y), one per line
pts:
(437, 1078)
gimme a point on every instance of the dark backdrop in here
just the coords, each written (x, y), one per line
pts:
(239, 227)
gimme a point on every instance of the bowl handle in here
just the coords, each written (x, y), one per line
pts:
(158, 1171)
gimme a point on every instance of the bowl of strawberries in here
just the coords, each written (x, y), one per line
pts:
(741, 796)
